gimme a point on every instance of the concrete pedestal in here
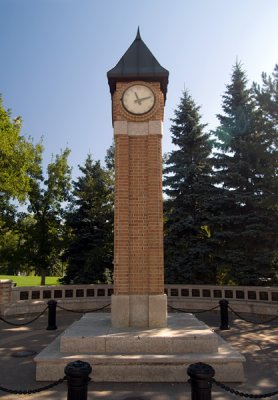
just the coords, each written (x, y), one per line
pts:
(139, 354)
(139, 311)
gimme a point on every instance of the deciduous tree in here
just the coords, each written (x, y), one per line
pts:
(18, 156)
(18, 161)
(45, 238)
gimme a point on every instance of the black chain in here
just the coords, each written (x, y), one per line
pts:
(253, 322)
(83, 311)
(31, 391)
(24, 323)
(192, 311)
(242, 394)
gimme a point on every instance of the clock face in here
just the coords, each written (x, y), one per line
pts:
(138, 99)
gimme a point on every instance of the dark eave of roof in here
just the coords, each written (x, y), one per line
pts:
(138, 63)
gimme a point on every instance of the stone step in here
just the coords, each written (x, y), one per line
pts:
(134, 355)
(93, 334)
(228, 365)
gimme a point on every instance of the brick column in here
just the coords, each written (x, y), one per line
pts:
(155, 209)
(138, 298)
(121, 216)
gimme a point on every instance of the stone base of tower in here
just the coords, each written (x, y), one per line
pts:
(139, 311)
(140, 354)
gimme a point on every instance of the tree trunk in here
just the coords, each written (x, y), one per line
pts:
(43, 276)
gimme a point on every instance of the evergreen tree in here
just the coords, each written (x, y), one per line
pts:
(267, 103)
(90, 252)
(110, 160)
(189, 189)
(243, 228)
(267, 96)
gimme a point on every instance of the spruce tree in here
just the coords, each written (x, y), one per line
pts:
(266, 96)
(90, 252)
(243, 227)
(189, 187)
(267, 102)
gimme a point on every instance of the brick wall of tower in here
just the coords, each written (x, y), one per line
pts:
(121, 216)
(138, 229)
(155, 216)
(138, 232)
(138, 215)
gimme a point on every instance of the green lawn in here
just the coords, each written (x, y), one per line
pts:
(31, 280)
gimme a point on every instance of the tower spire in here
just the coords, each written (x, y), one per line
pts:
(138, 63)
(138, 36)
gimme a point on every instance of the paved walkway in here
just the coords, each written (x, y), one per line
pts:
(258, 343)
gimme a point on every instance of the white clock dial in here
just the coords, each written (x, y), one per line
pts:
(138, 99)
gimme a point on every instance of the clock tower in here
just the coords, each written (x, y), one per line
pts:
(138, 86)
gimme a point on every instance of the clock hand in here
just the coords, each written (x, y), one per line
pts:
(137, 99)
(145, 98)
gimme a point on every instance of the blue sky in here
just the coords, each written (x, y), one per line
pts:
(55, 55)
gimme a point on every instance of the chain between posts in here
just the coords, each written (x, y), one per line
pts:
(193, 311)
(253, 322)
(84, 311)
(242, 394)
(32, 391)
(24, 323)
(201, 380)
(77, 377)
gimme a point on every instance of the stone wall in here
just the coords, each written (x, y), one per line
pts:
(251, 299)
(5, 293)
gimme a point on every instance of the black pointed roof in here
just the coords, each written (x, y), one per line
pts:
(138, 63)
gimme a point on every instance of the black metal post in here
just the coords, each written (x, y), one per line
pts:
(201, 375)
(77, 373)
(52, 304)
(224, 315)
